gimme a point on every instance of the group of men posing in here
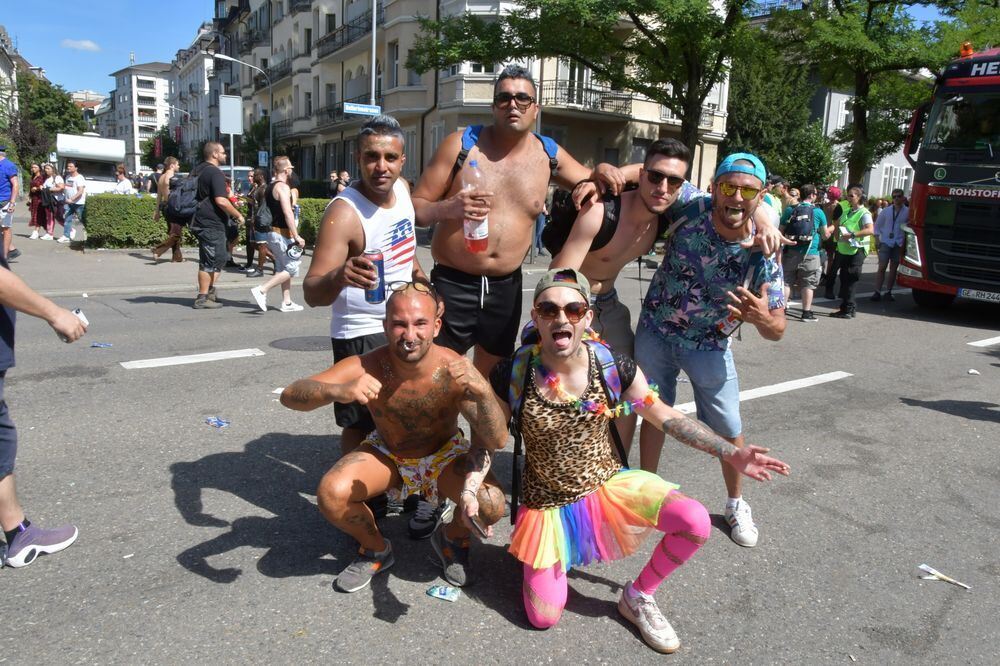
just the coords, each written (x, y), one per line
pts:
(401, 377)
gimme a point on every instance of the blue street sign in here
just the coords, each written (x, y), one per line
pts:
(362, 109)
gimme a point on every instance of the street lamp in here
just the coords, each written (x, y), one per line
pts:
(270, 94)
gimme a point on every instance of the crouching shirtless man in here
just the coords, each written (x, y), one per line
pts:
(415, 391)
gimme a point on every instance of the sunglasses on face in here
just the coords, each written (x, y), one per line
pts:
(521, 100)
(748, 192)
(574, 311)
(656, 177)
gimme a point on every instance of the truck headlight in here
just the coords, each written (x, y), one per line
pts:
(911, 249)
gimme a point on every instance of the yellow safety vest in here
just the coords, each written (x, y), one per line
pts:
(852, 222)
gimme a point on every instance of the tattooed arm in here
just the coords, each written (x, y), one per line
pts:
(749, 460)
(343, 382)
(480, 406)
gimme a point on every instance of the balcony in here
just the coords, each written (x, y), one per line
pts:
(348, 33)
(145, 101)
(255, 37)
(300, 6)
(574, 95)
(328, 116)
(282, 128)
(276, 73)
(707, 115)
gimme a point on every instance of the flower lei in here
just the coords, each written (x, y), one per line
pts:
(623, 408)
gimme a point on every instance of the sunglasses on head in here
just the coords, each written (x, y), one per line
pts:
(522, 100)
(748, 192)
(574, 311)
(418, 285)
(656, 177)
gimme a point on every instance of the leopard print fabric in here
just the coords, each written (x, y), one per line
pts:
(568, 454)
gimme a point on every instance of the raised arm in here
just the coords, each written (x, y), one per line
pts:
(749, 460)
(343, 382)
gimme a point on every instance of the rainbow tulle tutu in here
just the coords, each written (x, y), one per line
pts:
(606, 525)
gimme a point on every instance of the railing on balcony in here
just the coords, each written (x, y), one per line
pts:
(282, 128)
(567, 93)
(300, 6)
(255, 37)
(277, 72)
(707, 115)
(348, 33)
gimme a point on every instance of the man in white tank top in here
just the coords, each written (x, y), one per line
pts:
(375, 213)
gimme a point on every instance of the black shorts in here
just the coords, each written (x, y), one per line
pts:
(478, 311)
(355, 415)
(212, 248)
(8, 435)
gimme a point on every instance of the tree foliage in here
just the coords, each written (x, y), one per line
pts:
(671, 51)
(874, 50)
(44, 110)
(168, 148)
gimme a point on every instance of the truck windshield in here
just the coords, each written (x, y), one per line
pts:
(966, 122)
(93, 170)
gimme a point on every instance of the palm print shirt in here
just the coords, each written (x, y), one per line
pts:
(686, 300)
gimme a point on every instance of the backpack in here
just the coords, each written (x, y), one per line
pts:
(470, 137)
(563, 216)
(262, 219)
(800, 226)
(182, 202)
(520, 375)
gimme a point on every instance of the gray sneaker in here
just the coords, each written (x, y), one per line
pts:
(646, 616)
(204, 303)
(428, 517)
(453, 556)
(365, 566)
(35, 541)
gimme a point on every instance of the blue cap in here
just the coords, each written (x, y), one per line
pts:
(729, 165)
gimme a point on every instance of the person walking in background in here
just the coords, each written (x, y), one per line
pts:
(76, 199)
(283, 237)
(255, 246)
(53, 196)
(25, 540)
(888, 230)
(37, 219)
(175, 228)
(10, 187)
(124, 185)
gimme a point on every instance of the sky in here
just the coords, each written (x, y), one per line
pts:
(79, 44)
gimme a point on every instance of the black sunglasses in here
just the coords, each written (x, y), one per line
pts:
(656, 177)
(574, 311)
(522, 100)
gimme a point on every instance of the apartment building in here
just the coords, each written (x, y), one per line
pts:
(317, 55)
(8, 79)
(192, 103)
(138, 108)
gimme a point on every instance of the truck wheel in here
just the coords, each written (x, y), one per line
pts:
(932, 299)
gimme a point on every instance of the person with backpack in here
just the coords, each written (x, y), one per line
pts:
(581, 504)
(801, 263)
(169, 181)
(275, 220)
(209, 223)
(711, 282)
(415, 391)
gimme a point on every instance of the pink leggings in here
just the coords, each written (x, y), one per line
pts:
(685, 524)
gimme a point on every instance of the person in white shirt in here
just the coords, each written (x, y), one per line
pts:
(76, 199)
(124, 185)
(890, 242)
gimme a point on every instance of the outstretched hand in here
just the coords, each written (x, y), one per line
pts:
(751, 461)
(768, 239)
(745, 305)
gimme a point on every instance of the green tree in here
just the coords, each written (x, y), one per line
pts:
(671, 51)
(168, 148)
(254, 140)
(44, 110)
(974, 21)
(873, 49)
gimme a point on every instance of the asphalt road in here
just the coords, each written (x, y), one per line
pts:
(204, 544)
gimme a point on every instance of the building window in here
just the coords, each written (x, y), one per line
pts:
(393, 64)
(895, 177)
(307, 41)
(331, 94)
(331, 23)
(480, 68)
(845, 112)
(410, 142)
(307, 106)
(412, 77)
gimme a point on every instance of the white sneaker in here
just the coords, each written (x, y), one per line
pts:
(290, 307)
(34, 235)
(72, 233)
(260, 297)
(46, 237)
(62, 239)
(743, 530)
(645, 614)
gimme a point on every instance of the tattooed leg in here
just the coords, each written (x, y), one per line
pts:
(356, 477)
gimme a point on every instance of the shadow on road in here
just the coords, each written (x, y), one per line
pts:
(187, 301)
(967, 409)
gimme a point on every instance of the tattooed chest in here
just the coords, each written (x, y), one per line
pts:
(417, 417)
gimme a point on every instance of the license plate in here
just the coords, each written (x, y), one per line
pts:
(979, 295)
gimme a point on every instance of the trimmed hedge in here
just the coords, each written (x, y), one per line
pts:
(120, 221)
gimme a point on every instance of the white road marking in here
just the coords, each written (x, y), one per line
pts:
(193, 358)
(985, 343)
(278, 390)
(783, 387)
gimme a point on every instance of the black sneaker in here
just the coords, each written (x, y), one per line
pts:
(428, 517)
(876, 297)
(14, 254)
(843, 314)
(807, 315)
(365, 566)
(889, 297)
(453, 556)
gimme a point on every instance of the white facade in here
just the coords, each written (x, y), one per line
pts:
(139, 108)
(8, 79)
(191, 98)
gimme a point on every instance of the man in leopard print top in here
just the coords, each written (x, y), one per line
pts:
(579, 504)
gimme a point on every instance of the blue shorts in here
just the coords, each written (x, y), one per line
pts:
(712, 374)
(8, 435)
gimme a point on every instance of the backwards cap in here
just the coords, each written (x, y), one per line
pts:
(729, 165)
(563, 277)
